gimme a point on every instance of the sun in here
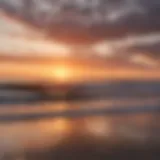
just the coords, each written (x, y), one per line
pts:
(62, 73)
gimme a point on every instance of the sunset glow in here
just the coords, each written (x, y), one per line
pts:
(62, 73)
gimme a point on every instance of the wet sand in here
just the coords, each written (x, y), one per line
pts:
(126, 136)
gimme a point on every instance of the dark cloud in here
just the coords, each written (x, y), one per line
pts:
(89, 20)
(150, 50)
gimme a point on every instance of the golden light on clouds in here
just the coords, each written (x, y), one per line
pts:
(19, 39)
(143, 60)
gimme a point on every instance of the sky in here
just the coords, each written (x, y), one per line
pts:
(114, 25)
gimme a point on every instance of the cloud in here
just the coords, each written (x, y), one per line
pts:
(112, 18)
(151, 49)
(18, 39)
(125, 25)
